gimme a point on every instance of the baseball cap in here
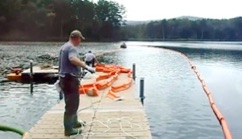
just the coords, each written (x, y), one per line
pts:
(77, 33)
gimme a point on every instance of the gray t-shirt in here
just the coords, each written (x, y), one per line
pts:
(65, 66)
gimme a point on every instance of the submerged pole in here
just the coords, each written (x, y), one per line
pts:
(31, 77)
(134, 71)
(141, 94)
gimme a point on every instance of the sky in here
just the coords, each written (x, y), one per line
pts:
(140, 10)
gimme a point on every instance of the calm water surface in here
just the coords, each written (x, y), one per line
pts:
(175, 103)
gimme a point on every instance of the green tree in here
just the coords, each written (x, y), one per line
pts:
(63, 15)
(109, 15)
(8, 14)
(85, 14)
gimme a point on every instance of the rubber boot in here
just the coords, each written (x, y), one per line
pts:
(68, 121)
(69, 124)
(72, 132)
(78, 124)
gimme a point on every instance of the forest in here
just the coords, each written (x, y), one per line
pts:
(53, 20)
(104, 20)
(186, 29)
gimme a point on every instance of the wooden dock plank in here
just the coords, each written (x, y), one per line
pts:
(106, 118)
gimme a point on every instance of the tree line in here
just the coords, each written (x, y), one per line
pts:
(55, 19)
(185, 29)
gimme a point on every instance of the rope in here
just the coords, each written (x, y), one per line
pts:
(120, 121)
(218, 114)
(108, 52)
(106, 124)
(91, 105)
(88, 134)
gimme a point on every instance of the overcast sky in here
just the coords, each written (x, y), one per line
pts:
(160, 9)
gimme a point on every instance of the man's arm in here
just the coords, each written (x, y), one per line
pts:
(76, 61)
(95, 58)
(73, 57)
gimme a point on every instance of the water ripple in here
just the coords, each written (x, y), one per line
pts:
(175, 103)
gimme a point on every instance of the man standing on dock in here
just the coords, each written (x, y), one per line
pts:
(69, 72)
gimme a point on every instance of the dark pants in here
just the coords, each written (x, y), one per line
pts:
(70, 88)
(91, 63)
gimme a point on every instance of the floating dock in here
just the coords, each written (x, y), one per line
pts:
(39, 75)
(117, 115)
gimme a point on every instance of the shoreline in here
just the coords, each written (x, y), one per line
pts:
(60, 41)
(117, 40)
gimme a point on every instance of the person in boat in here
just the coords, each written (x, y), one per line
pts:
(90, 59)
(123, 45)
(69, 70)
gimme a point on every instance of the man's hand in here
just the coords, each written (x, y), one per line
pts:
(78, 62)
(90, 69)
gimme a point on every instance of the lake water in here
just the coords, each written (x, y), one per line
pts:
(175, 103)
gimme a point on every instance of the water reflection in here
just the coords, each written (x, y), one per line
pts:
(222, 72)
(230, 57)
(17, 107)
(176, 106)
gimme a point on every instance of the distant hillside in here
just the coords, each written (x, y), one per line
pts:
(192, 18)
(202, 29)
(133, 23)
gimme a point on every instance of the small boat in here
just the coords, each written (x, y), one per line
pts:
(15, 74)
(123, 46)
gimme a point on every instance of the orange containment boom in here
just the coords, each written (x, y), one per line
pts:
(112, 95)
(101, 84)
(130, 74)
(218, 114)
(102, 77)
(88, 89)
(99, 68)
(122, 87)
(106, 80)
(124, 70)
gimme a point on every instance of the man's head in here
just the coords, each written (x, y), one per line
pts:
(76, 37)
(89, 51)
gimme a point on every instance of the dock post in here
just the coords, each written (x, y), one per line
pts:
(31, 77)
(141, 95)
(134, 71)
